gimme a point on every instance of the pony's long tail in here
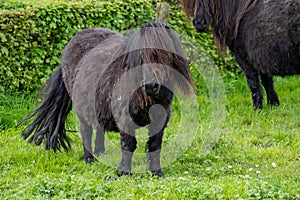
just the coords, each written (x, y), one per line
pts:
(50, 117)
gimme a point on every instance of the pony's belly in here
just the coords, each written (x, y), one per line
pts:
(284, 66)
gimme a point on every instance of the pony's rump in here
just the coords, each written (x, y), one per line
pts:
(76, 49)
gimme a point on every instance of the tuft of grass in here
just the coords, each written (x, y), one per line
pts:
(13, 106)
(257, 155)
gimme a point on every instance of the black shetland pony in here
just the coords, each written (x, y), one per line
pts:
(113, 82)
(263, 35)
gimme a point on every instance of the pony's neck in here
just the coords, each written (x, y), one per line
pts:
(226, 16)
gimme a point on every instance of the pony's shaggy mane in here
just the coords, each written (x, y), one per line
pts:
(153, 42)
(190, 7)
(225, 15)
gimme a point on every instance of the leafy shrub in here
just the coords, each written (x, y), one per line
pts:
(32, 37)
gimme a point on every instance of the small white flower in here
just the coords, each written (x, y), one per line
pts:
(258, 172)
(229, 166)
(256, 166)
(274, 165)
(250, 169)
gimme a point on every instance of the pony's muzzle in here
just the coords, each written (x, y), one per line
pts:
(149, 82)
(152, 89)
(201, 25)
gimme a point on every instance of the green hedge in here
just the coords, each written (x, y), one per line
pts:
(34, 33)
(33, 36)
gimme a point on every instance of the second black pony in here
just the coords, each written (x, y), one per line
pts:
(113, 84)
(263, 35)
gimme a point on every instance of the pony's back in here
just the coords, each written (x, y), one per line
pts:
(272, 44)
(79, 46)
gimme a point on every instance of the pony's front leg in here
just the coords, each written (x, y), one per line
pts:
(268, 84)
(253, 81)
(128, 146)
(153, 155)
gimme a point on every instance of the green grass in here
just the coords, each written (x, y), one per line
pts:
(257, 155)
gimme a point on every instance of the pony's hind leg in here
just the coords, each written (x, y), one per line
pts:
(86, 131)
(267, 82)
(99, 141)
(128, 146)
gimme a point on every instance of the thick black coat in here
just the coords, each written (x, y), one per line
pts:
(263, 35)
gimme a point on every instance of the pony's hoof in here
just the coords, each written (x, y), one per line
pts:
(258, 105)
(122, 173)
(257, 100)
(89, 159)
(274, 102)
(158, 173)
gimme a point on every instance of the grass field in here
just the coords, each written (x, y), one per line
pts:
(257, 155)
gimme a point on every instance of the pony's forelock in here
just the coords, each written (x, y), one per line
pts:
(154, 43)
